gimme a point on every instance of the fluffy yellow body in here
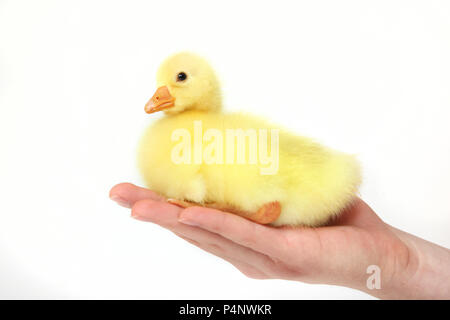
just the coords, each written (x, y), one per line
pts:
(311, 182)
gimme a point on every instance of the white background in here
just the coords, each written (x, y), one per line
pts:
(369, 77)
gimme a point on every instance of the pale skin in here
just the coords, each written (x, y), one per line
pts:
(337, 254)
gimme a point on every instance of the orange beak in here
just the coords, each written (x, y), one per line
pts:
(161, 100)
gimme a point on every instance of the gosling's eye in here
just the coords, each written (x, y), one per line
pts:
(181, 76)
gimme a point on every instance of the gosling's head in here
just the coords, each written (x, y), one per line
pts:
(185, 82)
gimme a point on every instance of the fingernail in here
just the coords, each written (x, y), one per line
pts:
(135, 216)
(185, 220)
(120, 201)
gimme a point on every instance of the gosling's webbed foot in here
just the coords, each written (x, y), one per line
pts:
(268, 213)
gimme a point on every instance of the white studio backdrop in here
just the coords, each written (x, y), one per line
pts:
(368, 77)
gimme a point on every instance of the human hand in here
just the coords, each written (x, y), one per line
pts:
(337, 254)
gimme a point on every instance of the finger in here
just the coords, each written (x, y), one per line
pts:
(162, 213)
(127, 194)
(266, 240)
(243, 267)
(166, 215)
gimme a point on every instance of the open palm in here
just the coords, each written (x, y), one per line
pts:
(338, 254)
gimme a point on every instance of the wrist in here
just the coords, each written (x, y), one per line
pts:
(422, 273)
